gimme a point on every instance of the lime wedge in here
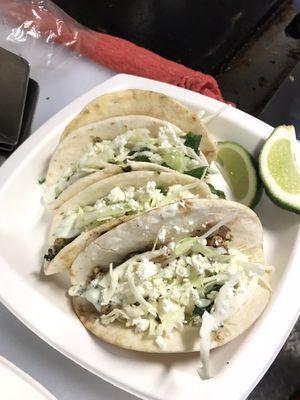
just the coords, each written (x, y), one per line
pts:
(279, 168)
(239, 170)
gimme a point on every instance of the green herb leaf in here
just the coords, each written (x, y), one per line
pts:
(213, 286)
(132, 152)
(41, 180)
(219, 193)
(165, 165)
(141, 158)
(162, 188)
(197, 172)
(192, 140)
(200, 311)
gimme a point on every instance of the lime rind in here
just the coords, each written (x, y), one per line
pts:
(255, 187)
(280, 197)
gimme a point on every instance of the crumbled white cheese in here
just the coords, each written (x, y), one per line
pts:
(163, 138)
(160, 341)
(116, 195)
(181, 268)
(120, 141)
(100, 204)
(146, 269)
(133, 204)
(198, 262)
(148, 285)
(129, 192)
(141, 324)
(171, 246)
(162, 234)
(166, 305)
(158, 282)
(175, 294)
(154, 294)
(150, 186)
(168, 272)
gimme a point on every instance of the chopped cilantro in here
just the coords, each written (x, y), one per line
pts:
(162, 188)
(193, 140)
(197, 172)
(41, 180)
(132, 152)
(141, 158)
(219, 193)
(200, 310)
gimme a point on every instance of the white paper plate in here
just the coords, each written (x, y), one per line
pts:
(42, 305)
(16, 385)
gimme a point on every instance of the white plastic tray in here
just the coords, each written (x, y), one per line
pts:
(42, 305)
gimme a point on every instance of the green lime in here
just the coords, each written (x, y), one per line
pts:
(239, 170)
(279, 168)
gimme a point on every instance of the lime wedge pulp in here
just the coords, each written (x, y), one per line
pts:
(239, 170)
(279, 168)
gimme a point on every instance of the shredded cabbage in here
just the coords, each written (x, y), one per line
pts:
(186, 282)
(118, 203)
(166, 149)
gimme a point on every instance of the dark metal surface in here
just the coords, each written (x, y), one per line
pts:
(284, 106)
(202, 34)
(255, 73)
(282, 381)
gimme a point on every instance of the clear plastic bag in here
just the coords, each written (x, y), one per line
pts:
(23, 25)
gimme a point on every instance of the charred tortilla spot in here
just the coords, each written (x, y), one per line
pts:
(58, 245)
(105, 309)
(95, 139)
(127, 168)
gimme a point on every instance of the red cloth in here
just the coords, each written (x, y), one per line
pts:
(120, 55)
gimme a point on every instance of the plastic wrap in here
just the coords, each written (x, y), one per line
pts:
(21, 22)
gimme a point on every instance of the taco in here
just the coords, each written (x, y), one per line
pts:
(124, 129)
(107, 203)
(185, 277)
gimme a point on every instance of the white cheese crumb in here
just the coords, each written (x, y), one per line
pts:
(175, 294)
(116, 195)
(100, 203)
(162, 234)
(129, 192)
(146, 269)
(141, 324)
(133, 204)
(166, 305)
(160, 341)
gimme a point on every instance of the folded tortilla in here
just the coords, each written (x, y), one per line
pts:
(132, 237)
(147, 103)
(63, 260)
(111, 115)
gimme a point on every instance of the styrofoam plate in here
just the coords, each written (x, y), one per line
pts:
(41, 303)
